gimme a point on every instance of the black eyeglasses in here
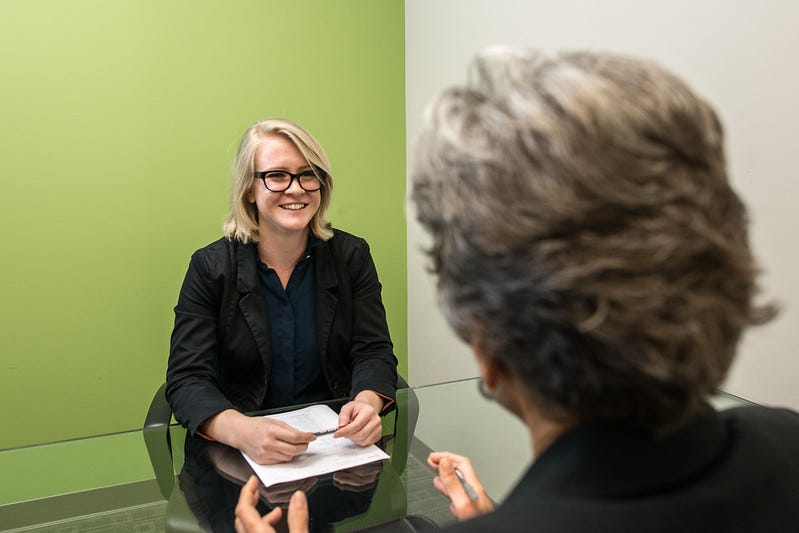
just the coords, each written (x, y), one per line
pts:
(280, 180)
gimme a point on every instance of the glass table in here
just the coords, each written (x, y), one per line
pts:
(107, 482)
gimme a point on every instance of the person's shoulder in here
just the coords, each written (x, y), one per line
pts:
(766, 435)
(215, 254)
(346, 242)
(346, 252)
(757, 417)
(222, 243)
(342, 236)
(759, 466)
(216, 248)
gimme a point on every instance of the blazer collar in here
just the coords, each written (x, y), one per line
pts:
(247, 266)
(325, 273)
(605, 460)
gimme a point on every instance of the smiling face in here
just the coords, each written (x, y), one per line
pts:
(286, 213)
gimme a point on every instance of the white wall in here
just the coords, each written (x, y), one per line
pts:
(741, 56)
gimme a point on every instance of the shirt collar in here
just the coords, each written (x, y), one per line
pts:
(313, 243)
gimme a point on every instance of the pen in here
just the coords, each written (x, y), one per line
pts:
(468, 488)
(328, 431)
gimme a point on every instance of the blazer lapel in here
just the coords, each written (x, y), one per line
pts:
(251, 302)
(326, 299)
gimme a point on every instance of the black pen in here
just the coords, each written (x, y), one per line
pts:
(468, 488)
(328, 432)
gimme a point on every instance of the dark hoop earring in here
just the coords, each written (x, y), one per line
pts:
(484, 390)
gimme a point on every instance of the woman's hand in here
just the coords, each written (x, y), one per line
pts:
(448, 484)
(265, 440)
(359, 420)
(269, 441)
(248, 520)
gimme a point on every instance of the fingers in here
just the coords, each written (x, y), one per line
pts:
(269, 456)
(249, 492)
(298, 513)
(360, 423)
(248, 519)
(345, 414)
(273, 441)
(434, 458)
(286, 451)
(362, 434)
(272, 517)
(289, 434)
(452, 486)
(461, 462)
(449, 485)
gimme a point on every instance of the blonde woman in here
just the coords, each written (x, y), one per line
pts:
(282, 310)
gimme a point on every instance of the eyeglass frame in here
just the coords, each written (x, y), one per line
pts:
(318, 173)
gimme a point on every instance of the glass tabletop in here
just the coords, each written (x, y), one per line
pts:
(107, 482)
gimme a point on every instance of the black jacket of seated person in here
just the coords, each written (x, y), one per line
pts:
(733, 471)
(221, 351)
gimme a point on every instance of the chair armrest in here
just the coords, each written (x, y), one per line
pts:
(406, 414)
(159, 441)
(159, 413)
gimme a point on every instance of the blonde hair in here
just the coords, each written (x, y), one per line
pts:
(241, 222)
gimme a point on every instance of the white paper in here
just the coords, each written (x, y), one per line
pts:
(324, 455)
(314, 419)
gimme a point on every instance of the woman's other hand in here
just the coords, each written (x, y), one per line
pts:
(264, 440)
(359, 420)
(248, 520)
(448, 484)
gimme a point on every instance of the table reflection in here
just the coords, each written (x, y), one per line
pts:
(213, 473)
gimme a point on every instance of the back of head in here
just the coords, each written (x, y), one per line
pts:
(585, 233)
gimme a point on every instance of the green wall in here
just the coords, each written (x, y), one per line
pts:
(119, 125)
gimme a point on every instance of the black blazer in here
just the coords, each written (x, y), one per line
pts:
(734, 471)
(220, 352)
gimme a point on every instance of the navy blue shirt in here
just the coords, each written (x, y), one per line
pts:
(296, 374)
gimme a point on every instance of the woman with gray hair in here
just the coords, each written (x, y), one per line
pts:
(588, 246)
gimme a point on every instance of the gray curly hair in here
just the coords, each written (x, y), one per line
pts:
(585, 233)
